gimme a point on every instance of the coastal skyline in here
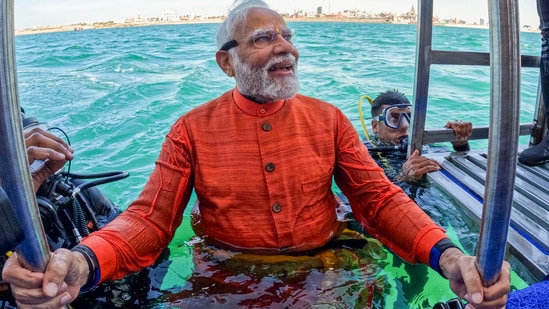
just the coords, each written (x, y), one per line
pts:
(36, 13)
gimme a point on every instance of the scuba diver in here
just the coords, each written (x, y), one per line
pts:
(391, 112)
(70, 205)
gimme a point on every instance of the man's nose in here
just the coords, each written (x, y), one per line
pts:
(282, 45)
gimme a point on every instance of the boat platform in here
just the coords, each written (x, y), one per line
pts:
(463, 177)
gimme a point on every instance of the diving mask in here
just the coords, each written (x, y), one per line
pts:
(394, 116)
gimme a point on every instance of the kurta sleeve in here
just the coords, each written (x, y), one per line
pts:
(136, 237)
(381, 207)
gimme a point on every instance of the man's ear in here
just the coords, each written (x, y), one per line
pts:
(224, 61)
(375, 126)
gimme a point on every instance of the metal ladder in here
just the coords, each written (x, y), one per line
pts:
(426, 57)
(476, 179)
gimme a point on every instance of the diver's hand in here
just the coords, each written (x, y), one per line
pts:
(462, 130)
(66, 272)
(45, 146)
(416, 166)
(466, 282)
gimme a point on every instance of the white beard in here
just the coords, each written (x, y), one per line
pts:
(256, 84)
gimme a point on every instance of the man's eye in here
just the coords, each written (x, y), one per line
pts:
(262, 38)
(287, 36)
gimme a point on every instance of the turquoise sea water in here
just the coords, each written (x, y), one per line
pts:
(117, 91)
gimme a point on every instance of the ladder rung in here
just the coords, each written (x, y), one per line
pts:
(444, 135)
(474, 58)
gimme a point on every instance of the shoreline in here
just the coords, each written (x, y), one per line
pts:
(76, 27)
(66, 28)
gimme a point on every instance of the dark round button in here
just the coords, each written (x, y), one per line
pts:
(269, 167)
(267, 126)
(277, 208)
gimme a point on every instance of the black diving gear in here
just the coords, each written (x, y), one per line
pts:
(70, 205)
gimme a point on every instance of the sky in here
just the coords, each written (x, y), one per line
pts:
(31, 13)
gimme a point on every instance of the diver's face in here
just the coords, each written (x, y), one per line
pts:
(393, 125)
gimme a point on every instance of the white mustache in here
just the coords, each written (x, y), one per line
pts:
(280, 59)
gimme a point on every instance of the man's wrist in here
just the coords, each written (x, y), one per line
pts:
(440, 255)
(88, 256)
(461, 146)
(449, 259)
(83, 267)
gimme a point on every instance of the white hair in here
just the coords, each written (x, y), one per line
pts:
(236, 15)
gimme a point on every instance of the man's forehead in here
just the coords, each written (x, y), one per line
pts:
(260, 18)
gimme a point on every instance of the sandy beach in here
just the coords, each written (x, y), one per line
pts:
(141, 24)
(218, 20)
(105, 25)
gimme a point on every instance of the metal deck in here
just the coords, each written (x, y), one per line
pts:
(463, 177)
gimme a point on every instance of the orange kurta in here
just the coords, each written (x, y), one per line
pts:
(263, 175)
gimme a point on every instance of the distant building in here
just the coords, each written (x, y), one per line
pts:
(170, 16)
(409, 17)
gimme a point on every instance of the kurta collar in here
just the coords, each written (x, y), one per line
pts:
(256, 109)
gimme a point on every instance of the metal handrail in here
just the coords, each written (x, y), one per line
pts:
(15, 175)
(503, 140)
(505, 63)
